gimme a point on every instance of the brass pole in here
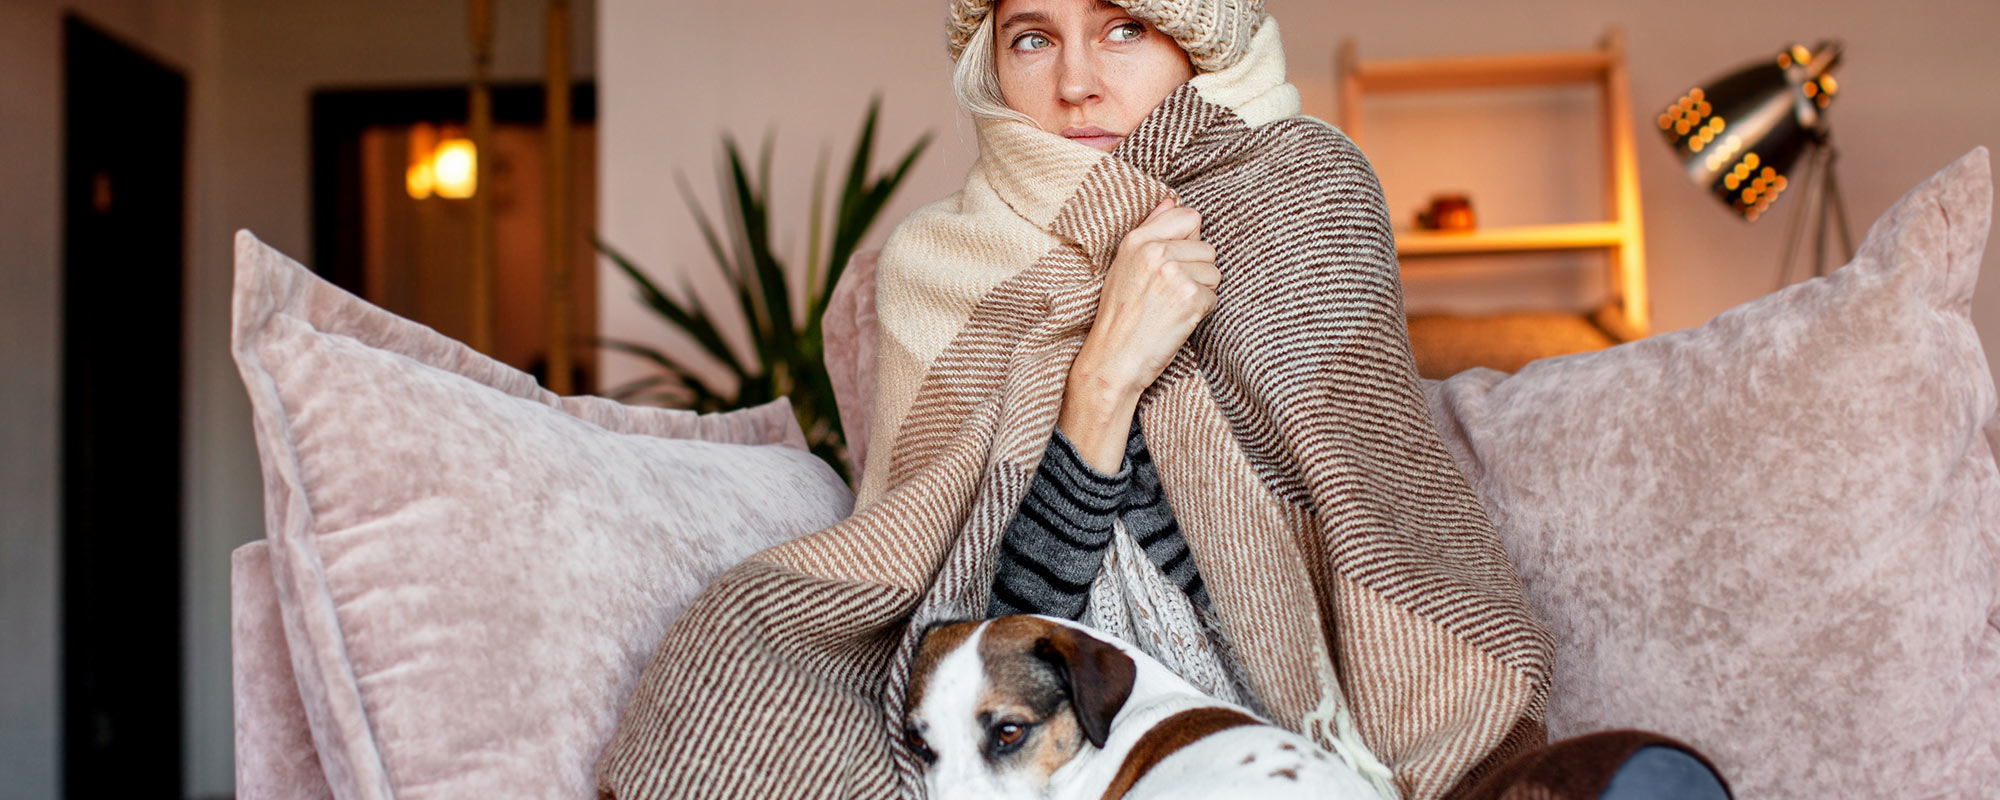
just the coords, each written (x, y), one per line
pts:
(481, 114)
(556, 121)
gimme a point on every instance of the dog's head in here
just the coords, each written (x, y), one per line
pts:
(996, 707)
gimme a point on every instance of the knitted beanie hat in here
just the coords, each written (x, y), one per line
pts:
(1215, 33)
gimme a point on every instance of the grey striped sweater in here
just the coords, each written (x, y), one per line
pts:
(1055, 544)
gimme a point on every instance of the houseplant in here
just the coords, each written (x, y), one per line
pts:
(783, 326)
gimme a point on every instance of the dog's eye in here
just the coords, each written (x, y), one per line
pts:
(1008, 733)
(918, 746)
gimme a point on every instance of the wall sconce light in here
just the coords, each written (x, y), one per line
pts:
(455, 164)
(1741, 136)
(448, 168)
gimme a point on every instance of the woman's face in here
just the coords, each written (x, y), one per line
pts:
(1084, 69)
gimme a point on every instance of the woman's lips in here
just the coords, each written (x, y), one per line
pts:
(1092, 136)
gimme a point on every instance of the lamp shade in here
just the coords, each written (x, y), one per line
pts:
(1741, 134)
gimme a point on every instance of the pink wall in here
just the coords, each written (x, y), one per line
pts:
(1914, 96)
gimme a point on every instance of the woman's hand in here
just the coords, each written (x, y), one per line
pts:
(1161, 284)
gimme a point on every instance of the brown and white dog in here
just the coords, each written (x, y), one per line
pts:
(1004, 708)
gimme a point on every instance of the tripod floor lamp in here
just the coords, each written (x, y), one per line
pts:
(1748, 136)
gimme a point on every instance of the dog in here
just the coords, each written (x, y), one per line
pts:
(1040, 707)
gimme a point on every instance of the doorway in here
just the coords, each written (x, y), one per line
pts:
(124, 173)
(404, 245)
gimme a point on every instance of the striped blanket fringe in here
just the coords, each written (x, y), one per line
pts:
(1359, 582)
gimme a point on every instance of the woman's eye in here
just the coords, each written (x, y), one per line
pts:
(1127, 32)
(1031, 41)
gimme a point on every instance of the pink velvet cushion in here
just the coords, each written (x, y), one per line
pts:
(472, 571)
(275, 759)
(849, 330)
(1774, 536)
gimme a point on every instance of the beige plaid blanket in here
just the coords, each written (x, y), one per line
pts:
(1356, 576)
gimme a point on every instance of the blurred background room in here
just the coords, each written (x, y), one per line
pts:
(136, 136)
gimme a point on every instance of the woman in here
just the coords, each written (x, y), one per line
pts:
(1153, 242)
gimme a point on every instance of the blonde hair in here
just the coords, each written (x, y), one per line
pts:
(976, 78)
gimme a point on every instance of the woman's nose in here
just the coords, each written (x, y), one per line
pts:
(1079, 84)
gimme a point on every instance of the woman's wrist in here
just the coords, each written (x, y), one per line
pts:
(1097, 416)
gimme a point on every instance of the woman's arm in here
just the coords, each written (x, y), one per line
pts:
(1054, 547)
(1159, 286)
(1055, 544)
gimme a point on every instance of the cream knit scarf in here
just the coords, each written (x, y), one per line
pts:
(1363, 594)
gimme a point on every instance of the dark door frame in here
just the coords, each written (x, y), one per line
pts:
(124, 197)
(340, 115)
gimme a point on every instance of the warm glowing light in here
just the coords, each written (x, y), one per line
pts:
(1717, 124)
(419, 180)
(1681, 127)
(441, 164)
(1750, 195)
(1666, 122)
(1733, 181)
(1704, 108)
(1784, 61)
(1697, 143)
(1697, 94)
(456, 166)
(1801, 54)
(1769, 173)
(1779, 182)
(1750, 160)
(1812, 89)
(1827, 84)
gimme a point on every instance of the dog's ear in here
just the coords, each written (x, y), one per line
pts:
(1099, 677)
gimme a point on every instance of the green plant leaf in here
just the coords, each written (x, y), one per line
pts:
(789, 351)
(732, 273)
(752, 225)
(676, 371)
(634, 387)
(769, 274)
(815, 234)
(857, 164)
(708, 235)
(862, 211)
(689, 319)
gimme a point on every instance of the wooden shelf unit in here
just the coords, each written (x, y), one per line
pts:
(1626, 313)
(1516, 239)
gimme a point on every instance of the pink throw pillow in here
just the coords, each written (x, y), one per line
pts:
(1776, 536)
(471, 570)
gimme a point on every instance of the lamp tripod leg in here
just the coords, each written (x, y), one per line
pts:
(1838, 209)
(1795, 227)
(1819, 214)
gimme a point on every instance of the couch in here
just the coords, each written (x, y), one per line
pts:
(1776, 536)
